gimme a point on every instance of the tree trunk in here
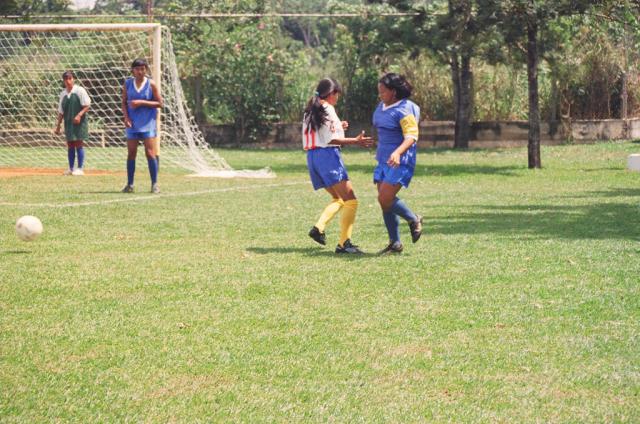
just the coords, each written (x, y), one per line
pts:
(198, 99)
(461, 77)
(534, 110)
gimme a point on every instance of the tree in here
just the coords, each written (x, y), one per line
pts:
(30, 7)
(520, 23)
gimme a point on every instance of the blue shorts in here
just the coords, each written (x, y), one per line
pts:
(139, 135)
(383, 173)
(326, 167)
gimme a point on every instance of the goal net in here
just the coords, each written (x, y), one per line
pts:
(32, 61)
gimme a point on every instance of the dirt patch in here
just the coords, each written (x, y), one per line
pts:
(21, 172)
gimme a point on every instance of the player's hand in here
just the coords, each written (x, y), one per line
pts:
(76, 119)
(136, 103)
(57, 131)
(394, 160)
(127, 123)
(345, 125)
(363, 140)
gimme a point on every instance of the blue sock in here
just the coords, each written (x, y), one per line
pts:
(71, 155)
(80, 157)
(131, 170)
(158, 163)
(392, 222)
(153, 170)
(401, 209)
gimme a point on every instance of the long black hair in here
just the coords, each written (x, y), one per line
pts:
(397, 83)
(315, 114)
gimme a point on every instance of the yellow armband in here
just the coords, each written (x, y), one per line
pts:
(409, 127)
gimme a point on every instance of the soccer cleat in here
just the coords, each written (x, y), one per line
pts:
(127, 189)
(347, 247)
(68, 172)
(316, 235)
(416, 229)
(155, 189)
(392, 248)
(77, 171)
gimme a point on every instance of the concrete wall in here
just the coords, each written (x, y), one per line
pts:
(440, 133)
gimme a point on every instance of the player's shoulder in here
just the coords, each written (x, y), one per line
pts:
(407, 107)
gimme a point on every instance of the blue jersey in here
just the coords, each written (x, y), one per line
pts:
(143, 118)
(394, 124)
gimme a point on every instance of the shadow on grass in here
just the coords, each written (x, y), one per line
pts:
(614, 192)
(308, 251)
(421, 169)
(15, 252)
(597, 221)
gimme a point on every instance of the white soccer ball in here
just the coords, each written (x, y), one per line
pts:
(28, 228)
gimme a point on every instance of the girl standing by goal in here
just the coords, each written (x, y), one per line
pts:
(322, 137)
(141, 100)
(72, 109)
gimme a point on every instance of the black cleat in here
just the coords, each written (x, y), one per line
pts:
(392, 248)
(319, 237)
(416, 229)
(348, 248)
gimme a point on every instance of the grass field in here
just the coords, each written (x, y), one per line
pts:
(209, 303)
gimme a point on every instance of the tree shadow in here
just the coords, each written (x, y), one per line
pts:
(615, 192)
(421, 170)
(15, 252)
(599, 221)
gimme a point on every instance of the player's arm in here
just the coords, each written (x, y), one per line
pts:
(78, 117)
(125, 109)
(59, 122)
(410, 132)
(361, 140)
(337, 129)
(60, 116)
(85, 101)
(156, 102)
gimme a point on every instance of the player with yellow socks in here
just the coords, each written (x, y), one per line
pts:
(322, 137)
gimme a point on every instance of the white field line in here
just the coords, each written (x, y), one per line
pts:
(134, 198)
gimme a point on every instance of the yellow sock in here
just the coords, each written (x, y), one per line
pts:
(328, 213)
(347, 219)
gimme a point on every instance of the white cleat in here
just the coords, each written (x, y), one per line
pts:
(77, 171)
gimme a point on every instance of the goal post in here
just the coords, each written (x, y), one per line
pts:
(32, 60)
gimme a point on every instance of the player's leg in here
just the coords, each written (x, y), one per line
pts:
(386, 195)
(315, 165)
(150, 153)
(71, 157)
(132, 151)
(328, 212)
(344, 191)
(79, 146)
(390, 181)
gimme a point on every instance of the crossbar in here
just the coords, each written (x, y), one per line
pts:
(79, 27)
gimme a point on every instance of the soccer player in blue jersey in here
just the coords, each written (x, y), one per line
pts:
(322, 137)
(396, 120)
(141, 100)
(73, 105)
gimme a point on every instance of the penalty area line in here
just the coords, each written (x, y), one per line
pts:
(148, 197)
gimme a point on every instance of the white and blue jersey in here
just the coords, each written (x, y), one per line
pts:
(394, 124)
(324, 160)
(143, 118)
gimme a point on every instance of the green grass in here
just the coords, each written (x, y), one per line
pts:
(209, 302)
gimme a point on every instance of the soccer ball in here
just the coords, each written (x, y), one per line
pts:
(28, 228)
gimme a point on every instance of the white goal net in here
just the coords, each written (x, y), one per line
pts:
(32, 61)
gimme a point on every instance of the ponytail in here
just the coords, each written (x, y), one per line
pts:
(315, 115)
